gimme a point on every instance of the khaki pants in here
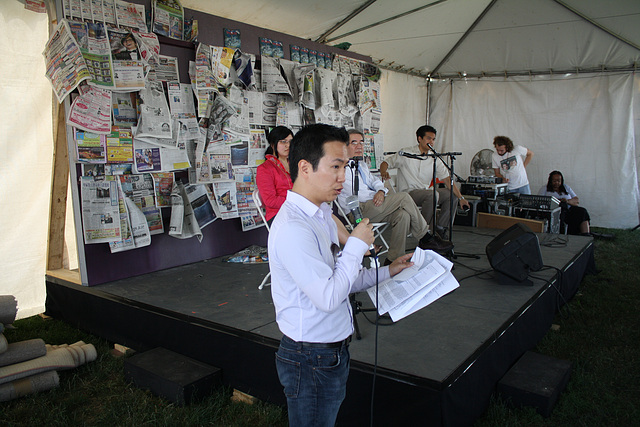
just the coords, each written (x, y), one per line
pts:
(399, 210)
(424, 199)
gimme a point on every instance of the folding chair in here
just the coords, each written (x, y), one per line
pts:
(378, 228)
(257, 201)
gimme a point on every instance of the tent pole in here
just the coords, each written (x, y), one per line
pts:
(464, 36)
(602, 27)
(384, 21)
(428, 100)
(323, 37)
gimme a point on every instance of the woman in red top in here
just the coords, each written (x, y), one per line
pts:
(273, 177)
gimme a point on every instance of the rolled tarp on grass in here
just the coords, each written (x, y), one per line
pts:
(22, 351)
(57, 358)
(8, 309)
(40, 382)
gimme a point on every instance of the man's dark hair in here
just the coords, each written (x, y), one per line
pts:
(277, 134)
(354, 132)
(308, 144)
(503, 140)
(562, 189)
(422, 130)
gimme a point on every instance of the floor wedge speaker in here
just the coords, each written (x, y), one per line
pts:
(513, 254)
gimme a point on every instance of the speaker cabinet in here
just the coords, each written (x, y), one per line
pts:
(513, 254)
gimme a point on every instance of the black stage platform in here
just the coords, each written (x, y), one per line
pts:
(438, 366)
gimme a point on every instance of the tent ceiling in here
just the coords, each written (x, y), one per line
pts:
(509, 36)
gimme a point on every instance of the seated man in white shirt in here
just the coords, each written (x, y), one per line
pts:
(311, 279)
(415, 176)
(396, 208)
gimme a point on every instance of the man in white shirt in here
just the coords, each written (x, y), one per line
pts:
(415, 176)
(509, 163)
(379, 206)
(311, 279)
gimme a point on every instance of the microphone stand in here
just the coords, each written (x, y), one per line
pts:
(452, 157)
(356, 306)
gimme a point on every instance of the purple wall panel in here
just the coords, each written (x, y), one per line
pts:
(221, 237)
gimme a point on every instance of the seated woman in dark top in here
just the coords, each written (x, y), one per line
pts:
(575, 217)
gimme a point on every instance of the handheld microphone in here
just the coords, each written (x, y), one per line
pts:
(353, 207)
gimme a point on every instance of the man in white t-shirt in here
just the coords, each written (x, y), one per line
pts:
(509, 163)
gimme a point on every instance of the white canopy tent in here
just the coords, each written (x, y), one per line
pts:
(556, 76)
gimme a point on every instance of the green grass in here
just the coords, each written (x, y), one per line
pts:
(96, 394)
(599, 332)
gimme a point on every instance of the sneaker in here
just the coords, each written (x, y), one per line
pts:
(435, 243)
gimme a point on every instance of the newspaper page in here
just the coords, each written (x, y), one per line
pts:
(137, 235)
(221, 60)
(100, 210)
(183, 224)
(289, 112)
(91, 110)
(130, 15)
(272, 80)
(225, 197)
(308, 91)
(243, 70)
(239, 122)
(151, 157)
(167, 69)
(263, 108)
(346, 95)
(325, 84)
(300, 73)
(404, 293)
(168, 18)
(98, 55)
(141, 190)
(155, 119)
(90, 147)
(109, 12)
(149, 47)
(202, 96)
(201, 204)
(163, 184)
(119, 145)
(66, 67)
(124, 109)
(368, 96)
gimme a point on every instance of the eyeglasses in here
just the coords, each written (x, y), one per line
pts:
(356, 143)
(284, 141)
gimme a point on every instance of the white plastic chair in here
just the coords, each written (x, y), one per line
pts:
(378, 228)
(257, 201)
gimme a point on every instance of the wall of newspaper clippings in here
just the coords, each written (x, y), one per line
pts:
(168, 111)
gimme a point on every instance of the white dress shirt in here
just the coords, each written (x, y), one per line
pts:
(368, 185)
(310, 279)
(414, 174)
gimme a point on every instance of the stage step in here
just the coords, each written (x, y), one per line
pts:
(535, 380)
(173, 376)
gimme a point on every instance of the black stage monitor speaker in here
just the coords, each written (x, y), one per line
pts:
(513, 254)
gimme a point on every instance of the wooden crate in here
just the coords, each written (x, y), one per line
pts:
(502, 222)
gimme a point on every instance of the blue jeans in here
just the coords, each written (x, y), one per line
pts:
(314, 381)
(522, 190)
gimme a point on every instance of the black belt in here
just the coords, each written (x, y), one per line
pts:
(320, 344)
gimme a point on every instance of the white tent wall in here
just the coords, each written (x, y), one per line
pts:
(404, 108)
(582, 125)
(26, 153)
